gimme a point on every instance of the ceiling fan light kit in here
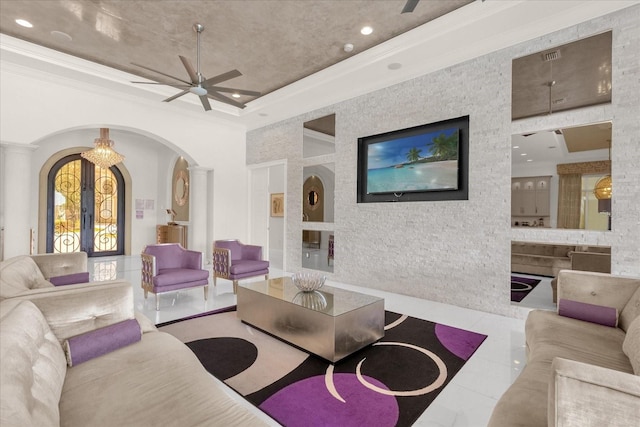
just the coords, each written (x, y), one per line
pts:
(199, 85)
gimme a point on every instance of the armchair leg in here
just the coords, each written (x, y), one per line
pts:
(157, 302)
(214, 280)
(235, 286)
(266, 277)
(146, 293)
(206, 292)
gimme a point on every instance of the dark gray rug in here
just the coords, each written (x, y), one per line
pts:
(521, 287)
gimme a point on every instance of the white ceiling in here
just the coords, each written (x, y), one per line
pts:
(468, 32)
(550, 148)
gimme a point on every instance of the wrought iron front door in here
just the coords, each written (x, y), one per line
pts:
(85, 208)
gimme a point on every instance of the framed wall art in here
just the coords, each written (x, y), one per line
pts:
(277, 204)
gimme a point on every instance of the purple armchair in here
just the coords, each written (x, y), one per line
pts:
(233, 260)
(169, 267)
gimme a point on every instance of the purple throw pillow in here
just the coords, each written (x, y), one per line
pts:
(70, 279)
(607, 316)
(101, 341)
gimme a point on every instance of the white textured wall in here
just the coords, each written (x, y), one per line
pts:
(458, 252)
(36, 108)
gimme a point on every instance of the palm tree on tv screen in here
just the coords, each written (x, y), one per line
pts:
(445, 147)
(414, 154)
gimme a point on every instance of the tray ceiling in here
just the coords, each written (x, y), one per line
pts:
(272, 43)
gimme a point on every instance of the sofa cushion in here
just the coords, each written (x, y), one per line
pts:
(525, 402)
(631, 345)
(99, 342)
(582, 395)
(248, 266)
(172, 276)
(20, 274)
(550, 335)
(155, 382)
(33, 367)
(631, 310)
(233, 245)
(607, 316)
(60, 264)
(70, 279)
(168, 255)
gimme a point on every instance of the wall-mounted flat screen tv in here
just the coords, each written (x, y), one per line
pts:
(422, 163)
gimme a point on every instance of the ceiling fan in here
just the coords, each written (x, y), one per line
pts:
(199, 85)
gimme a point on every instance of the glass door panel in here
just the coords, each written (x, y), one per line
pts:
(67, 208)
(85, 212)
(105, 226)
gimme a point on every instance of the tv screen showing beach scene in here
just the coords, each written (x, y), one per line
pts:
(425, 161)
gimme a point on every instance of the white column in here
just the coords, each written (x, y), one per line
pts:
(199, 212)
(16, 196)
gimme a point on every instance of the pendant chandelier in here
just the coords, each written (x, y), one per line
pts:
(103, 154)
(602, 189)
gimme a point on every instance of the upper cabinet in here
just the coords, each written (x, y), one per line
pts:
(530, 196)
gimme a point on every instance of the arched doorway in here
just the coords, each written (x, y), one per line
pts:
(85, 208)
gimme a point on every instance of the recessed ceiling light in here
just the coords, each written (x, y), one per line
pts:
(394, 66)
(366, 30)
(236, 95)
(516, 146)
(523, 154)
(529, 160)
(24, 23)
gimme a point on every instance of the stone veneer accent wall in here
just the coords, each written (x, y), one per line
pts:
(458, 252)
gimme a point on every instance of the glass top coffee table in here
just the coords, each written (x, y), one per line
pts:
(331, 323)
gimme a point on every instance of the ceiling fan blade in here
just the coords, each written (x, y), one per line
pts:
(409, 6)
(222, 98)
(164, 84)
(178, 95)
(205, 102)
(161, 73)
(232, 90)
(192, 73)
(221, 78)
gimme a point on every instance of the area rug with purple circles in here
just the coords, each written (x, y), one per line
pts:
(389, 383)
(521, 287)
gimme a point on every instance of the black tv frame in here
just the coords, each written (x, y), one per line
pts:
(461, 193)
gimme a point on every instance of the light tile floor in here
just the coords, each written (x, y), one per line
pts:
(467, 400)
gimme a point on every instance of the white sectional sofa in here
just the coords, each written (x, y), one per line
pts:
(156, 381)
(579, 373)
(24, 274)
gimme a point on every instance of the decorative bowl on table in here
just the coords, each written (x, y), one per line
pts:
(308, 282)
